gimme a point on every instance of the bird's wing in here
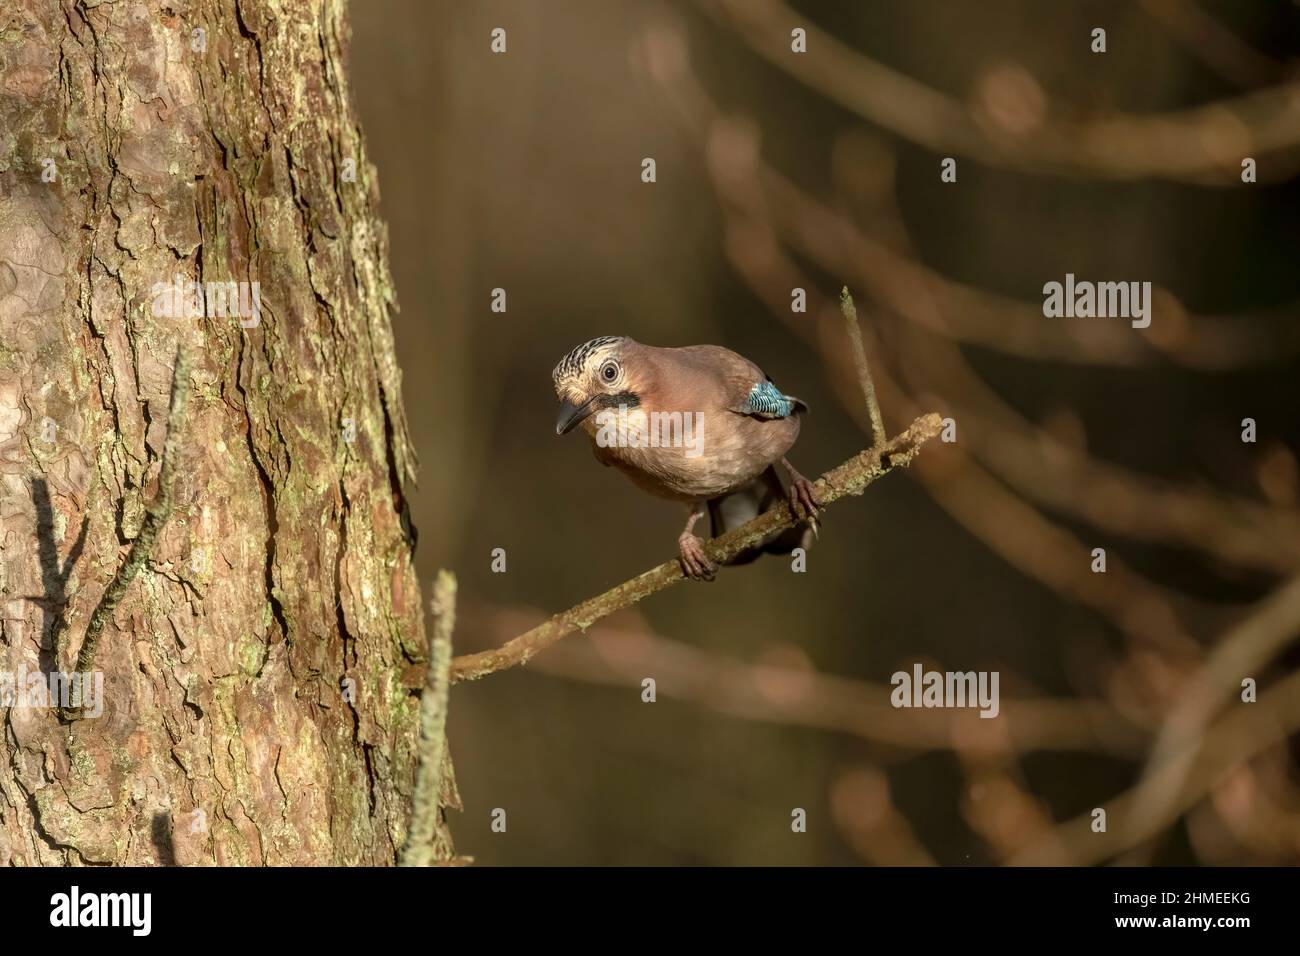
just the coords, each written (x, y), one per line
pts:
(765, 400)
(741, 386)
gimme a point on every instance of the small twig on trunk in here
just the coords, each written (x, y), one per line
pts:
(864, 373)
(850, 478)
(425, 804)
(156, 516)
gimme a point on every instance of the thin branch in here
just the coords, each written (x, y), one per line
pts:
(1243, 652)
(156, 516)
(425, 804)
(1172, 145)
(1235, 740)
(864, 373)
(620, 655)
(1214, 44)
(1040, 548)
(850, 478)
(970, 314)
(1055, 475)
(1043, 469)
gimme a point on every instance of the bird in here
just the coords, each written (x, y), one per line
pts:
(700, 425)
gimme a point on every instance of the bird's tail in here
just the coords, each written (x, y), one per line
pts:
(733, 509)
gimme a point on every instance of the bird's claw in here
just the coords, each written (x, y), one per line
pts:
(695, 563)
(803, 498)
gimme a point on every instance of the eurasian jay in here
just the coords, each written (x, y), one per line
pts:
(700, 425)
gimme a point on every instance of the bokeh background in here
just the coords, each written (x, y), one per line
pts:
(774, 170)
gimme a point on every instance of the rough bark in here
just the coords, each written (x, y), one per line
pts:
(286, 569)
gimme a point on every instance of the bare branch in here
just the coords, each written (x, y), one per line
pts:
(1172, 145)
(1213, 44)
(1239, 737)
(850, 478)
(621, 654)
(966, 313)
(1243, 652)
(1041, 468)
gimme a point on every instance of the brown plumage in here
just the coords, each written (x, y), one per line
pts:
(700, 424)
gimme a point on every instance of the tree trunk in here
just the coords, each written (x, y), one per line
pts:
(261, 675)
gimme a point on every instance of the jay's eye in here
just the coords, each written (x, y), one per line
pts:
(609, 371)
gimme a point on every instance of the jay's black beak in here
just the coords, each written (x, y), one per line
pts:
(572, 415)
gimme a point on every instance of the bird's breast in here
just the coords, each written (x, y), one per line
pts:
(691, 455)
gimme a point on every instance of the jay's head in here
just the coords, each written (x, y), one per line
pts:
(594, 376)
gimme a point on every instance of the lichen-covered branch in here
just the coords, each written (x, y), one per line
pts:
(155, 518)
(850, 478)
(425, 805)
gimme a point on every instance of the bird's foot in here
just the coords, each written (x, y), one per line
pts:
(695, 563)
(803, 497)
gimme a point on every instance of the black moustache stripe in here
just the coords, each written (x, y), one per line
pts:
(630, 399)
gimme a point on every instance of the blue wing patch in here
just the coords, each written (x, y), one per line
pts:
(766, 401)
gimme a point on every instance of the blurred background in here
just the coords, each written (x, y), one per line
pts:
(778, 170)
